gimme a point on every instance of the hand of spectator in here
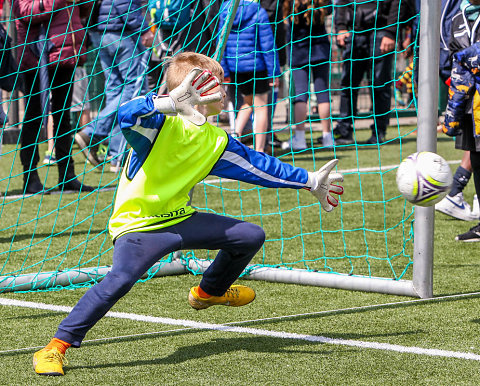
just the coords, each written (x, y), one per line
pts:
(451, 128)
(148, 38)
(321, 185)
(407, 47)
(469, 58)
(342, 37)
(275, 82)
(387, 45)
(194, 90)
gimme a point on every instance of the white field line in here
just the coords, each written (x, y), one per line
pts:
(255, 331)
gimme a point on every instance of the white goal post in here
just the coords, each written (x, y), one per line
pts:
(421, 284)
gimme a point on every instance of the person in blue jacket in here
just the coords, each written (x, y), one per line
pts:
(462, 115)
(251, 63)
(117, 32)
(308, 52)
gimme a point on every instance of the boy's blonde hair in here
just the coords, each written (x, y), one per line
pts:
(181, 64)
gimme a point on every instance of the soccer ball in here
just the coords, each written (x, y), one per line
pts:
(424, 178)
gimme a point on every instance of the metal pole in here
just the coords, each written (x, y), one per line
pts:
(226, 31)
(46, 280)
(426, 140)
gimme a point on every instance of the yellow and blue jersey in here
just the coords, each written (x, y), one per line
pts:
(170, 155)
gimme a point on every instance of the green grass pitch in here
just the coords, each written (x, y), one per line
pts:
(129, 352)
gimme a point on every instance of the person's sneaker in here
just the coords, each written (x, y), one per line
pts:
(457, 207)
(476, 208)
(327, 140)
(75, 185)
(102, 153)
(471, 236)
(340, 139)
(31, 183)
(236, 296)
(274, 141)
(49, 158)
(49, 362)
(295, 144)
(375, 139)
(90, 152)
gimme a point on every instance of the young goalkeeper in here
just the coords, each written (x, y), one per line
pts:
(152, 216)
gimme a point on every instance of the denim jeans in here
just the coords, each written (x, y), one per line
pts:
(124, 62)
(361, 56)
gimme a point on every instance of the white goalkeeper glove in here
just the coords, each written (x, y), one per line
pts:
(321, 186)
(194, 90)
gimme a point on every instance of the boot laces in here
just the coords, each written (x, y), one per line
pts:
(232, 293)
(55, 356)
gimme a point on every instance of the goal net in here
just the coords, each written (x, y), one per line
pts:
(58, 238)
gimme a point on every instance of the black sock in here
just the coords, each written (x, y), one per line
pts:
(460, 180)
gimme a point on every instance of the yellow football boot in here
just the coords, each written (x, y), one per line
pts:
(236, 296)
(49, 362)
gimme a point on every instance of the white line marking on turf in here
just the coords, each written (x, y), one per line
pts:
(256, 331)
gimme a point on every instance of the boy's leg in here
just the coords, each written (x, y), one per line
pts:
(462, 175)
(133, 255)
(321, 76)
(473, 235)
(260, 120)
(237, 240)
(244, 114)
(475, 164)
(454, 203)
(382, 89)
(356, 62)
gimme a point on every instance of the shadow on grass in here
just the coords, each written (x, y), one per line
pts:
(221, 346)
(253, 344)
(33, 316)
(21, 237)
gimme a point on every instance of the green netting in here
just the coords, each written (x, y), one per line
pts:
(60, 231)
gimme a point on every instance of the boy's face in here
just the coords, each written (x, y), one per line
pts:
(215, 108)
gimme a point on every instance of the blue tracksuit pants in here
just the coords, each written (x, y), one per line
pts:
(135, 253)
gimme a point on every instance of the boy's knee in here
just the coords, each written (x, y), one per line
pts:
(253, 236)
(117, 284)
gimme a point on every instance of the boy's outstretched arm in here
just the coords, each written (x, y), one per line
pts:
(241, 163)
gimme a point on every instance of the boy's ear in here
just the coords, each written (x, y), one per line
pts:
(202, 109)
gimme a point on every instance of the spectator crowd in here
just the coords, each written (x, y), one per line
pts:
(267, 40)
